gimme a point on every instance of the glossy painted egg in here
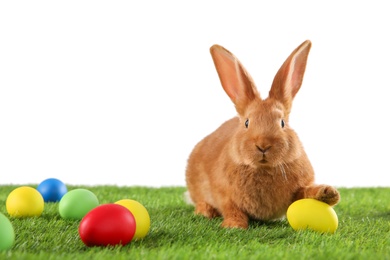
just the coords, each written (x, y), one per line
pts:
(141, 216)
(52, 190)
(75, 204)
(312, 214)
(25, 202)
(7, 233)
(107, 224)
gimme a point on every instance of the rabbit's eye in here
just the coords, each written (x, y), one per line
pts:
(282, 123)
(247, 123)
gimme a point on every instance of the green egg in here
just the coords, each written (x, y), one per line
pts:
(7, 233)
(77, 203)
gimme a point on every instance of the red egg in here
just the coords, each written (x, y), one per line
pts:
(107, 224)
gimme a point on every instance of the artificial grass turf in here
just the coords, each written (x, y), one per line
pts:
(176, 233)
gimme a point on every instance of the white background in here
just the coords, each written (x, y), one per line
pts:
(119, 92)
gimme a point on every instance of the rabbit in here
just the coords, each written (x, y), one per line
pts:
(253, 167)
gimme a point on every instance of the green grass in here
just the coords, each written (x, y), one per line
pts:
(363, 232)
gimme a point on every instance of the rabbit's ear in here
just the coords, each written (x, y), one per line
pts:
(236, 82)
(288, 79)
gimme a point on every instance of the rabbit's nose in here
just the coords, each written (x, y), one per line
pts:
(263, 149)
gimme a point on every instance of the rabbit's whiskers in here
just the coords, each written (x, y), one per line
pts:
(282, 170)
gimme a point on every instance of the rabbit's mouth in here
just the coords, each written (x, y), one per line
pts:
(263, 161)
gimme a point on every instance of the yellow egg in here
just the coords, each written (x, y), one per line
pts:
(141, 215)
(312, 214)
(25, 202)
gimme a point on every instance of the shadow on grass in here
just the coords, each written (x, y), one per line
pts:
(182, 228)
(384, 215)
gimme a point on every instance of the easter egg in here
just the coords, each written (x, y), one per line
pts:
(24, 202)
(7, 233)
(141, 215)
(52, 190)
(76, 203)
(107, 224)
(312, 214)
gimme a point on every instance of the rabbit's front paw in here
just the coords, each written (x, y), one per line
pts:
(328, 194)
(234, 218)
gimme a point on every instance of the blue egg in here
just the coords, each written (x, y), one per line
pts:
(52, 190)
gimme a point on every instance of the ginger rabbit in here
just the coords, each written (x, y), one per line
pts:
(254, 165)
